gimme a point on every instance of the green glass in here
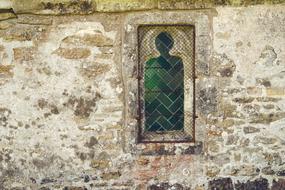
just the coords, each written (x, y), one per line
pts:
(164, 88)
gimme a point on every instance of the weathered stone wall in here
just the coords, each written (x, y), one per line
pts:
(65, 100)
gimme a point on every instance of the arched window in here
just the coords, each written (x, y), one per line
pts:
(164, 88)
(166, 80)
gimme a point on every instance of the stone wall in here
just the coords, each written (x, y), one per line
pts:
(66, 98)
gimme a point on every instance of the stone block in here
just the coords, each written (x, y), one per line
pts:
(6, 71)
(268, 171)
(34, 19)
(110, 175)
(73, 53)
(164, 186)
(100, 164)
(250, 129)
(95, 39)
(221, 184)
(124, 5)
(264, 140)
(74, 188)
(243, 100)
(92, 71)
(267, 118)
(5, 16)
(22, 33)
(275, 91)
(24, 53)
(258, 184)
(4, 25)
(278, 184)
(207, 100)
(281, 173)
(54, 6)
(254, 91)
(222, 66)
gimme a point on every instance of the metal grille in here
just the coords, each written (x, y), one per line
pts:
(166, 83)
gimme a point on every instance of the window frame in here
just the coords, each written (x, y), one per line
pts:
(174, 136)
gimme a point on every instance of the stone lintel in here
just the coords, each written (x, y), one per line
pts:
(59, 7)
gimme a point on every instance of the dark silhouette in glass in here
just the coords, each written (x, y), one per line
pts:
(164, 88)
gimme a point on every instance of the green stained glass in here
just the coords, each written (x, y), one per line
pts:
(164, 88)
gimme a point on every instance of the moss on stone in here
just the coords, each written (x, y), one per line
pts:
(91, 6)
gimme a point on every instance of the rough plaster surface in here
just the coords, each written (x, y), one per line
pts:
(66, 101)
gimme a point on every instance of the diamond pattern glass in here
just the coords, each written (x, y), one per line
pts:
(166, 73)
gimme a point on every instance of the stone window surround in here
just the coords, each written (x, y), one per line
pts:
(203, 45)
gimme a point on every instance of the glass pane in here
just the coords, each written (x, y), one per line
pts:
(166, 83)
(164, 88)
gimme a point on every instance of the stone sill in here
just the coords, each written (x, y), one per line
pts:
(159, 149)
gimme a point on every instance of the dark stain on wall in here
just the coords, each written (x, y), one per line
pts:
(78, 6)
(221, 184)
(258, 184)
(207, 102)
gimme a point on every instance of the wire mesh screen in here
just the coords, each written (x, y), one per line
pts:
(166, 83)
